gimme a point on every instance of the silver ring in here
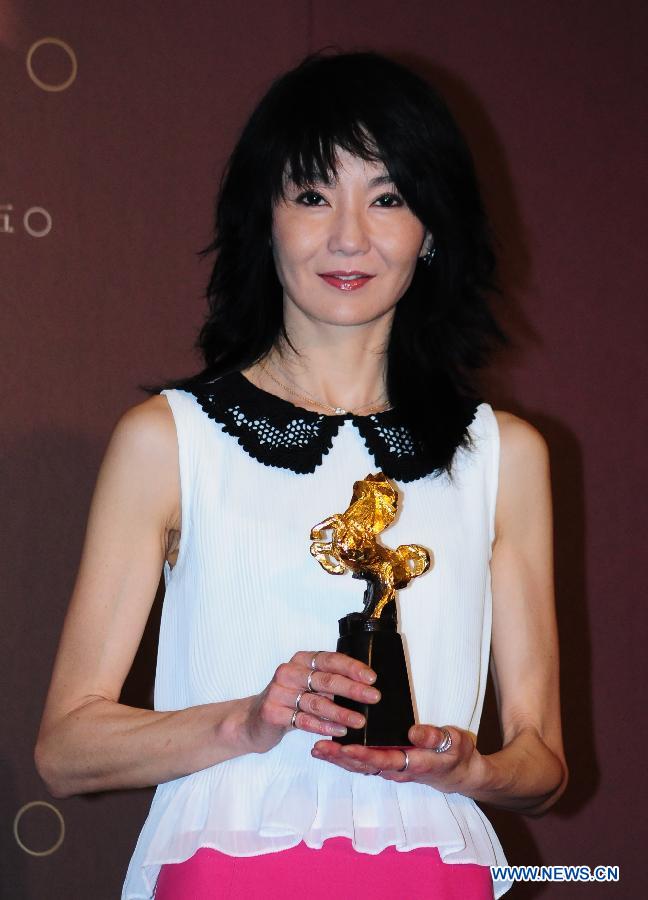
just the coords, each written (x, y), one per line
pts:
(379, 772)
(406, 764)
(309, 682)
(299, 696)
(312, 663)
(293, 719)
(446, 743)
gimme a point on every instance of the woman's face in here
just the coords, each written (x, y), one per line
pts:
(345, 252)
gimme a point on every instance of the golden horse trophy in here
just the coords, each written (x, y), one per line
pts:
(348, 541)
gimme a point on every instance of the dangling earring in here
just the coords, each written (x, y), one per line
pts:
(429, 256)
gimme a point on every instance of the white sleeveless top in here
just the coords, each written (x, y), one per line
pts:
(245, 595)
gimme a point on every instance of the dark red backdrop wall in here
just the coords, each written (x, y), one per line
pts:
(105, 196)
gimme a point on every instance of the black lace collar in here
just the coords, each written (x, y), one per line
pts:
(278, 433)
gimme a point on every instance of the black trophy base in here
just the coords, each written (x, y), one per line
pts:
(377, 643)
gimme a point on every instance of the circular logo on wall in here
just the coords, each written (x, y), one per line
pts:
(44, 85)
(61, 824)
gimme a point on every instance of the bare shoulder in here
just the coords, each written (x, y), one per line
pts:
(149, 426)
(524, 481)
(521, 444)
(142, 456)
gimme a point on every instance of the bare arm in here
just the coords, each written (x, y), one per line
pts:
(88, 741)
(529, 773)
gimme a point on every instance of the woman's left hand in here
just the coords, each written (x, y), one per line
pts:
(457, 769)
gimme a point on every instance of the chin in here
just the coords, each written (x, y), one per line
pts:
(350, 321)
(349, 313)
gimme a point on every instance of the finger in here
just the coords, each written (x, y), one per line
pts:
(332, 752)
(338, 663)
(320, 706)
(297, 677)
(317, 705)
(431, 737)
(277, 712)
(354, 756)
(389, 760)
(305, 722)
(340, 686)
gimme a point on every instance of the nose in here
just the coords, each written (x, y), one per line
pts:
(349, 231)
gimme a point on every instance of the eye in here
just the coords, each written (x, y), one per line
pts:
(309, 198)
(387, 201)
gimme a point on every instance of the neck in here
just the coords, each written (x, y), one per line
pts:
(339, 367)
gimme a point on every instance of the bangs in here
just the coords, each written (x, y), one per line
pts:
(362, 104)
(310, 155)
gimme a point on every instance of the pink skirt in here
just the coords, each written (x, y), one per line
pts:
(336, 870)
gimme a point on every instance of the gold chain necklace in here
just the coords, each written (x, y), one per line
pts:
(376, 406)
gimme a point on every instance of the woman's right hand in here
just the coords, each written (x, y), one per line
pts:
(300, 695)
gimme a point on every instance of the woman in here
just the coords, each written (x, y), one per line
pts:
(347, 317)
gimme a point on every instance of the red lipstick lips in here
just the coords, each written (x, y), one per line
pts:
(346, 281)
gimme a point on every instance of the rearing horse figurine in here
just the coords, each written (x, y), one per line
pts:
(353, 545)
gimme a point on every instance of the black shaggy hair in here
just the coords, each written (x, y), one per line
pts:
(378, 110)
